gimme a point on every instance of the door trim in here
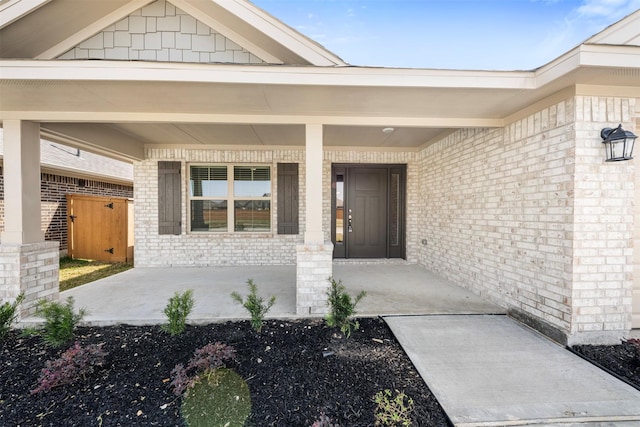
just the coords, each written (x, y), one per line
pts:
(396, 192)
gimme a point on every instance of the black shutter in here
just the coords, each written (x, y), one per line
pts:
(169, 198)
(287, 198)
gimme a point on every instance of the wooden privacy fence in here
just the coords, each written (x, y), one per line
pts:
(100, 228)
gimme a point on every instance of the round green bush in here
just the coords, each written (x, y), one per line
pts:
(220, 397)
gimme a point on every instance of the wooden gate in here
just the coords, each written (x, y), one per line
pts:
(100, 228)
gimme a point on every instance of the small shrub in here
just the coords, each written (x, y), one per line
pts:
(59, 321)
(393, 411)
(8, 314)
(324, 421)
(342, 307)
(206, 358)
(177, 310)
(75, 363)
(219, 394)
(255, 305)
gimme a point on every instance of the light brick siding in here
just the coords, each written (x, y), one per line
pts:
(532, 217)
(207, 249)
(32, 269)
(196, 249)
(161, 32)
(314, 264)
(53, 191)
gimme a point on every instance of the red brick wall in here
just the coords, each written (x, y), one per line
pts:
(53, 189)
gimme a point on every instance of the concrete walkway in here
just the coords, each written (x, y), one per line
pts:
(139, 295)
(484, 368)
(492, 371)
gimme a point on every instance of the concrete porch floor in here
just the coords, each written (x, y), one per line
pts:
(139, 295)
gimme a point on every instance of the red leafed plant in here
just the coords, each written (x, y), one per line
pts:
(206, 358)
(75, 363)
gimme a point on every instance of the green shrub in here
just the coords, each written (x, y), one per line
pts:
(255, 305)
(393, 411)
(219, 394)
(177, 310)
(8, 314)
(59, 321)
(342, 307)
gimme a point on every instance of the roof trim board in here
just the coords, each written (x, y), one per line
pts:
(13, 10)
(219, 27)
(260, 74)
(623, 32)
(92, 29)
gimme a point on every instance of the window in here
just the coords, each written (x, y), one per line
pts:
(230, 198)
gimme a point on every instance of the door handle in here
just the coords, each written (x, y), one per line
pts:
(349, 222)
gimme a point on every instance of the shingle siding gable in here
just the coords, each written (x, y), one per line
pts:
(161, 32)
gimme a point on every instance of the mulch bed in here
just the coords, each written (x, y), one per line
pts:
(291, 376)
(623, 360)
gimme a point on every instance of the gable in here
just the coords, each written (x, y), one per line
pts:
(161, 32)
(625, 32)
(238, 32)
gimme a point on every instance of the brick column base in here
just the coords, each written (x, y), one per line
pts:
(31, 268)
(314, 266)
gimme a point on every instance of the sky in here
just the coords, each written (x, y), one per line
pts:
(449, 34)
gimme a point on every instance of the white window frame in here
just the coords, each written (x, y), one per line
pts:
(231, 198)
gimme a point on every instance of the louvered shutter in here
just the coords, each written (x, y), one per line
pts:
(288, 198)
(169, 198)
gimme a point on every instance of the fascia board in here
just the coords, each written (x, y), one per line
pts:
(92, 29)
(277, 75)
(284, 34)
(624, 32)
(594, 55)
(223, 29)
(79, 173)
(588, 55)
(13, 10)
(257, 118)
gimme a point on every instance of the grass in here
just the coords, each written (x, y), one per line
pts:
(76, 272)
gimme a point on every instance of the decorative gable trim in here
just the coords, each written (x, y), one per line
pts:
(625, 32)
(12, 10)
(92, 29)
(162, 32)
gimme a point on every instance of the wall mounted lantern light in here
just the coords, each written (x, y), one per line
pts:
(618, 143)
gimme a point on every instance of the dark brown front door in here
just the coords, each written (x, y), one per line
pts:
(368, 211)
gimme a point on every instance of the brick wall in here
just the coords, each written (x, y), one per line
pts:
(53, 191)
(194, 249)
(206, 249)
(161, 32)
(532, 217)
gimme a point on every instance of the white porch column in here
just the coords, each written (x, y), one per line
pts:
(27, 263)
(313, 233)
(314, 264)
(21, 183)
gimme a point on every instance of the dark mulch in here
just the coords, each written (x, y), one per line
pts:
(290, 379)
(623, 359)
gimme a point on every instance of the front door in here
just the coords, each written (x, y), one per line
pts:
(368, 211)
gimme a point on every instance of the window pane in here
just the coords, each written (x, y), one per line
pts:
(339, 209)
(252, 181)
(208, 181)
(208, 215)
(253, 215)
